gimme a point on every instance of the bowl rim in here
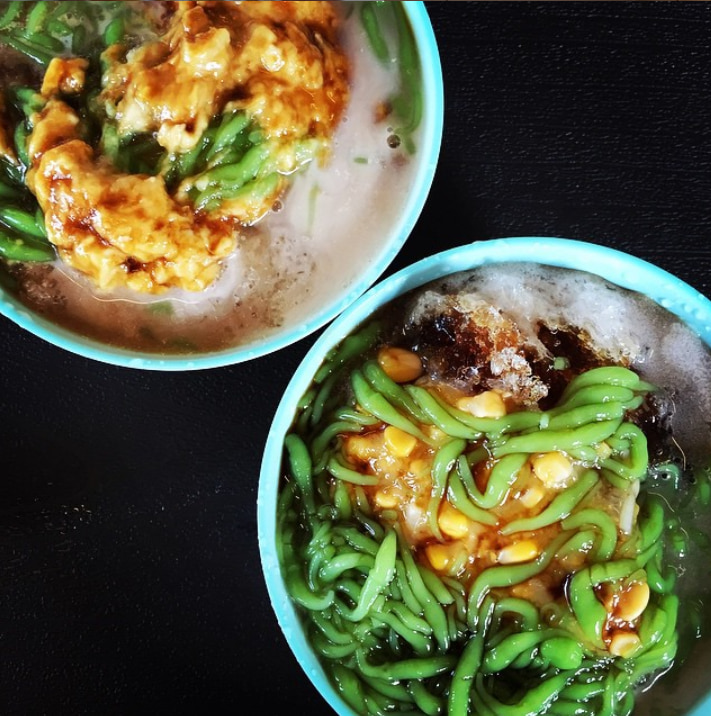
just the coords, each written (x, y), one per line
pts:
(618, 267)
(426, 162)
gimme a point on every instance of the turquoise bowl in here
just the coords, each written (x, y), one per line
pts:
(392, 240)
(615, 266)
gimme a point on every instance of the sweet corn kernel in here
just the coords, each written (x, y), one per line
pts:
(420, 468)
(441, 556)
(603, 450)
(363, 447)
(633, 601)
(452, 522)
(624, 643)
(439, 437)
(522, 551)
(386, 500)
(531, 497)
(398, 442)
(553, 469)
(400, 364)
(488, 404)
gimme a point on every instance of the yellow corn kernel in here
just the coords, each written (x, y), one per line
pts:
(603, 450)
(531, 496)
(439, 437)
(632, 601)
(452, 522)
(624, 643)
(553, 469)
(386, 500)
(438, 555)
(420, 468)
(400, 364)
(363, 447)
(488, 404)
(441, 556)
(522, 551)
(398, 442)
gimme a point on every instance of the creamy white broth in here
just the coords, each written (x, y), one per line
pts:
(326, 232)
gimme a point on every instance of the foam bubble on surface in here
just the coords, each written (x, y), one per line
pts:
(565, 298)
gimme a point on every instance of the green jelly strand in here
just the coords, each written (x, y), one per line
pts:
(418, 642)
(379, 576)
(428, 703)
(502, 477)
(604, 524)
(11, 13)
(343, 472)
(611, 571)
(561, 506)
(651, 527)
(662, 654)
(605, 375)
(14, 247)
(635, 467)
(652, 627)
(24, 222)
(300, 468)
(406, 669)
(585, 414)
(376, 404)
(508, 575)
(393, 391)
(324, 441)
(370, 20)
(503, 654)
(588, 610)
(443, 463)
(352, 346)
(458, 496)
(525, 613)
(660, 581)
(496, 427)
(115, 31)
(594, 395)
(228, 131)
(535, 701)
(431, 608)
(344, 562)
(350, 687)
(582, 542)
(438, 414)
(557, 440)
(469, 662)
(436, 586)
(408, 103)
(562, 652)
(300, 591)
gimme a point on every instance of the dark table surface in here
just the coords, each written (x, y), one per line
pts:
(130, 579)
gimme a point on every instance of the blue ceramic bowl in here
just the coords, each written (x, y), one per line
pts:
(342, 291)
(619, 268)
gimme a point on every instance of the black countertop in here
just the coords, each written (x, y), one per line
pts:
(129, 569)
